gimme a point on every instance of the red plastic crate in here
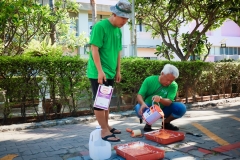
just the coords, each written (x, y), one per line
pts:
(172, 136)
(139, 151)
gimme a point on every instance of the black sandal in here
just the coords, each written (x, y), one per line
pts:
(110, 140)
(114, 129)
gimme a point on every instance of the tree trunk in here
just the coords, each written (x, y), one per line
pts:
(94, 12)
(52, 25)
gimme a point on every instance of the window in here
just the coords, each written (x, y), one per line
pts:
(140, 28)
(151, 58)
(226, 50)
(234, 50)
(222, 51)
(89, 27)
(73, 26)
(99, 17)
(230, 50)
(217, 50)
(212, 51)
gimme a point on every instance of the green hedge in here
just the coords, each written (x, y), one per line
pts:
(135, 70)
(28, 79)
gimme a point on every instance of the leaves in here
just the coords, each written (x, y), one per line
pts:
(166, 18)
(22, 21)
(44, 48)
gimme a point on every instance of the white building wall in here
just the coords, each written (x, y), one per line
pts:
(82, 27)
(145, 42)
(216, 32)
(126, 40)
(230, 41)
(145, 39)
(146, 52)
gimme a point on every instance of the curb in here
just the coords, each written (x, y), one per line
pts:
(113, 115)
(213, 103)
(64, 121)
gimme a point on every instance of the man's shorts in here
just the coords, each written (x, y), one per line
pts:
(95, 84)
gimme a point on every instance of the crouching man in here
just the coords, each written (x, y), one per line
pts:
(161, 89)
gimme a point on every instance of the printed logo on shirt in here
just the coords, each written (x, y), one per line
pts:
(164, 92)
(118, 35)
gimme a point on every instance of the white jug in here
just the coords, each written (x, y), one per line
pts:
(98, 148)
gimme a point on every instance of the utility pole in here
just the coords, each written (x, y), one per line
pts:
(133, 32)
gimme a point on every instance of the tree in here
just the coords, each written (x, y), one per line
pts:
(235, 12)
(20, 21)
(94, 11)
(164, 51)
(52, 24)
(24, 20)
(202, 48)
(165, 18)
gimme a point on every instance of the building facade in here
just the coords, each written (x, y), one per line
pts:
(225, 40)
(145, 44)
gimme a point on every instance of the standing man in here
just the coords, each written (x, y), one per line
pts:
(104, 61)
(161, 89)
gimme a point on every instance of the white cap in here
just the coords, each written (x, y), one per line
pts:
(98, 127)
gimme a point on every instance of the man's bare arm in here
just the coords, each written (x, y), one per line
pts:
(96, 59)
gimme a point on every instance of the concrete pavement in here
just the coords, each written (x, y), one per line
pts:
(54, 140)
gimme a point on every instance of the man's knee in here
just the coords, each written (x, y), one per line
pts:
(179, 109)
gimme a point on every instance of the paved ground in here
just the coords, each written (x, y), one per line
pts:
(219, 127)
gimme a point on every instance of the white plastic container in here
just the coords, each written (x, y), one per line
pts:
(98, 148)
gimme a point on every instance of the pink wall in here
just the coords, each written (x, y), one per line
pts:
(230, 28)
(210, 59)
(209, 33)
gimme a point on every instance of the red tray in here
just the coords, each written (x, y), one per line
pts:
(165, 136)
(139, 151)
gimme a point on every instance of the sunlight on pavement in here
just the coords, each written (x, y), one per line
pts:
(236, 118)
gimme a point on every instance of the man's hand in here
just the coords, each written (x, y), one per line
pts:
(118, 77)
(156, 98)
(101, 77)
(143, 106)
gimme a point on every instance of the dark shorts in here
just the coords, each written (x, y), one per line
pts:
(94, 85)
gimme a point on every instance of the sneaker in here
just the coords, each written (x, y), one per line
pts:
(169, 126)
(148, 128)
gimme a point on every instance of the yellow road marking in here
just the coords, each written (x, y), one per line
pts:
(9, 157)
(236, 118)
(210, 134)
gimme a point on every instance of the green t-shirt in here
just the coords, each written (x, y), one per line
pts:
(151, 84)
(108, 39)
